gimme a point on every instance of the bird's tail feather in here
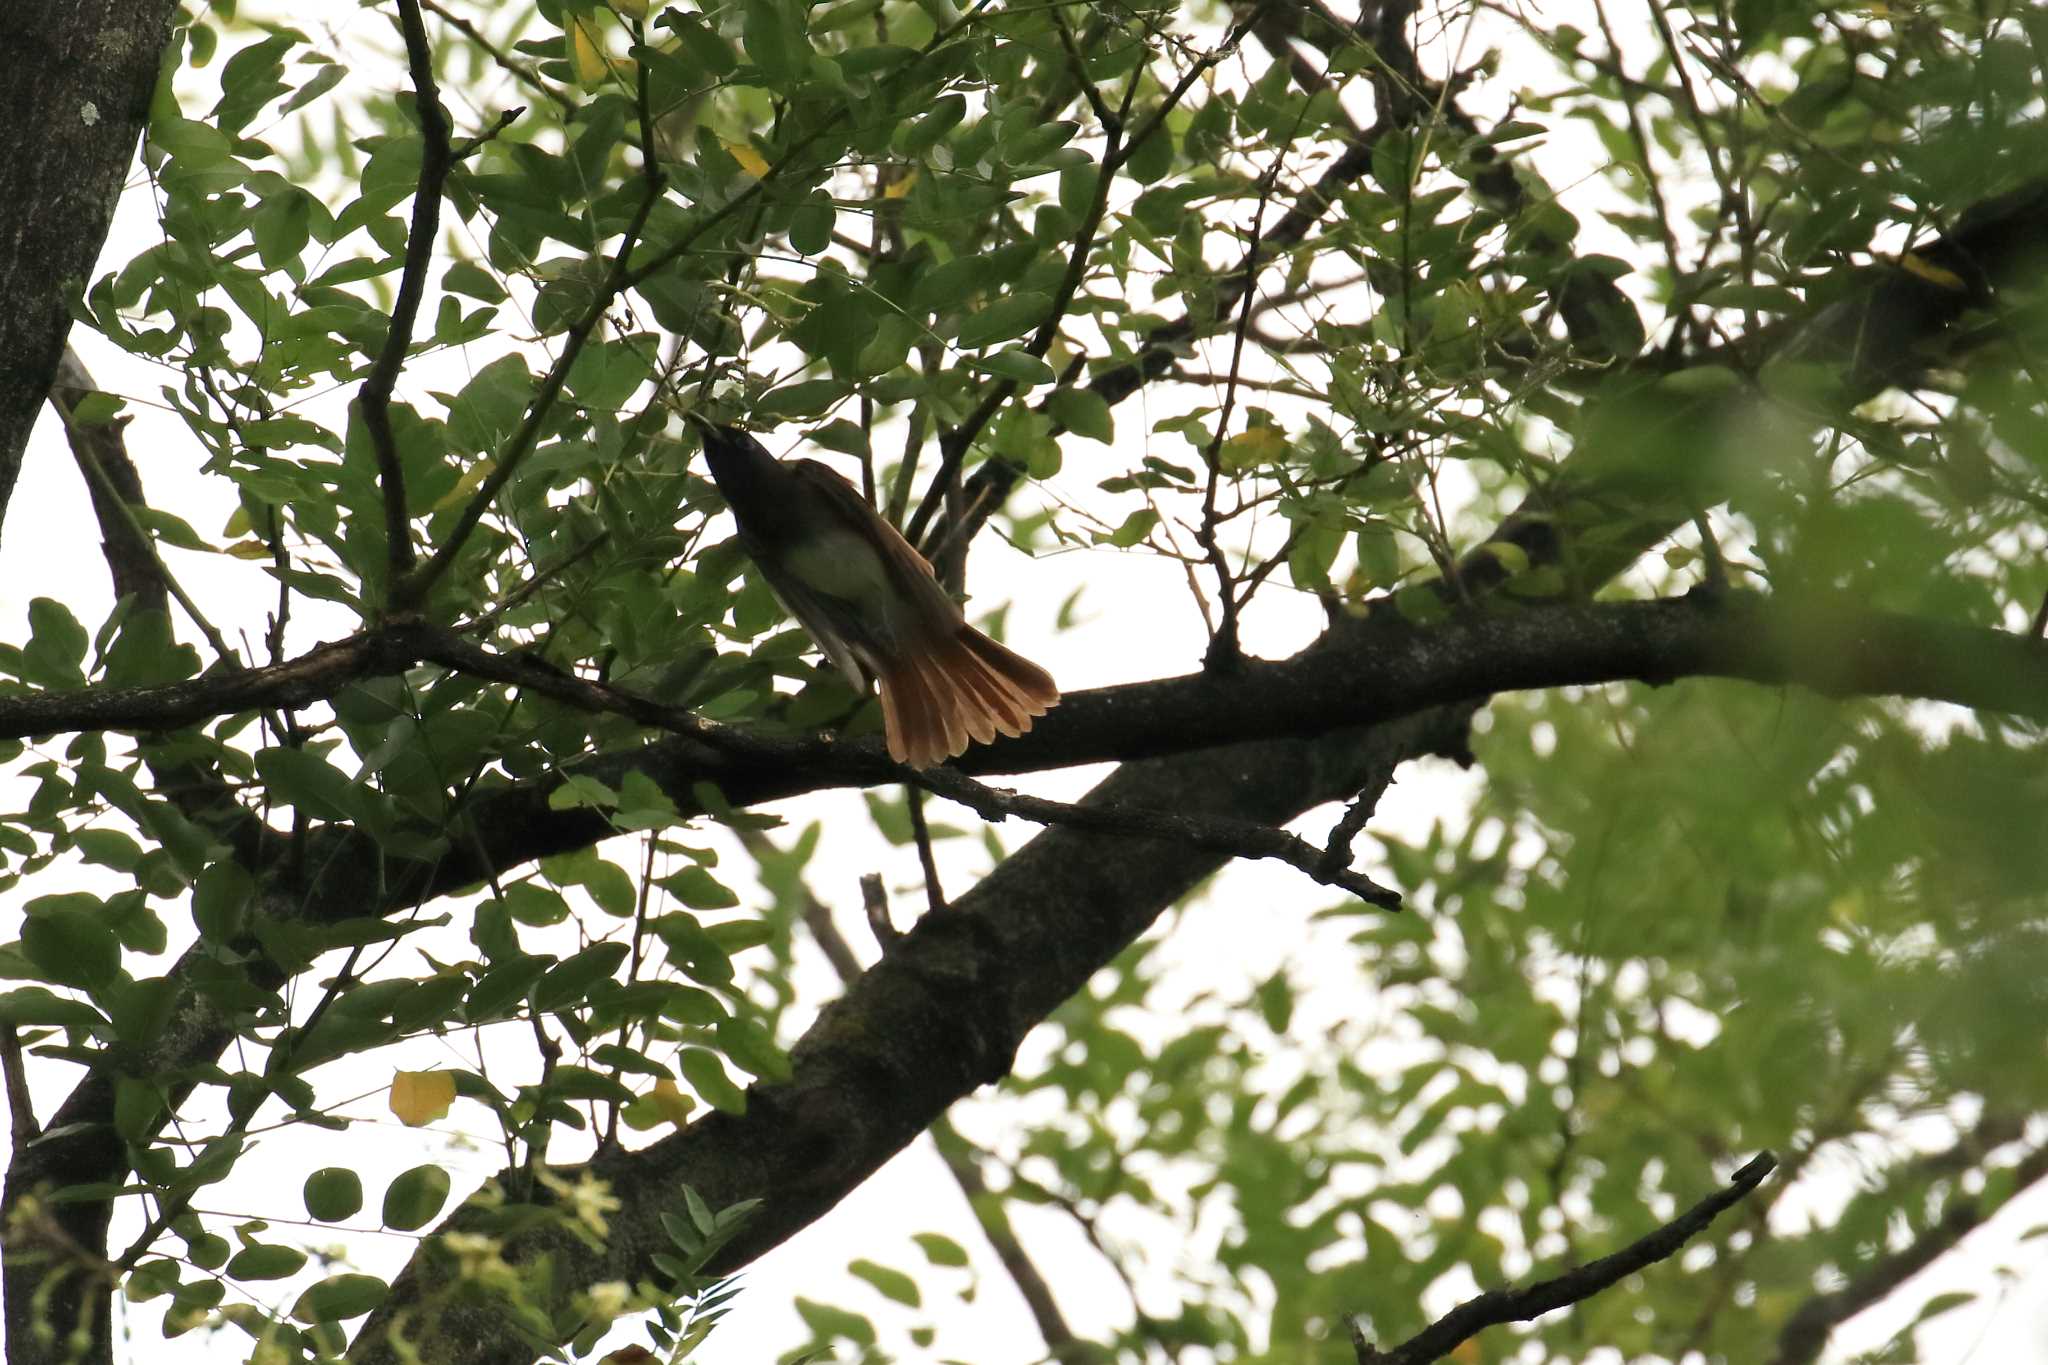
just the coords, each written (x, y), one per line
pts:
(964, 687)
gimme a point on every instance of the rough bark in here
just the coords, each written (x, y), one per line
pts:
(75, 84)
(939, 1016)
(943, 1013)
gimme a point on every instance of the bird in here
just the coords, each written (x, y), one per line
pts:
(873, 604)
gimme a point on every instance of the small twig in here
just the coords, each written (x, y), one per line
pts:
(1166, 346)
(934, 894)
(541, 578)
(21, 1105)
(436, 157)
(1499, 1306)
(1224, 650)
(953, 1149)
(506, 118)
(413, 588)
(519, 70)
(242, 1107)
(1239, 838)
(875, 901)
(1078, 64)
(953, 446)
(1337, 851)
(101, 450)
(961, 1160)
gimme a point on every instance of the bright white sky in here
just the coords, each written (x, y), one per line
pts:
(1136, 622)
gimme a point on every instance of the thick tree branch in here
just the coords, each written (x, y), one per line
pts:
(1500, 1306)
(1362, 672)
(111, 479)
(1885, 333)
(938, 1016)
(76, 95)
(962, 1161)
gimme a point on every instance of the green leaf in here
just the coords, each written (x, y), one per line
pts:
(220, 900)
(944, 116)
(810, 227)
(830, 1324)
(693, 949)
(70, 945)
(1938, 1304)
(301, 778)
(1016, 363)
(333, 1193)
(570, 981)
(707, 1077)
(502, 989)
(282, 227)
(940, 1249)
(109, 848)
(698, 889)
(949, 284)
(890, 1284)
(1083, 412)
(736, 935)
(32, 1006)
(261, 1262)
(534, 905)
(803, 399)
(581, 1083)
(414, 1197)
(466, 277)
(56, 647)
(750, 1046)
(1134, 529)
(1010, 316)
(340, 1297)
(774, 41)
(704, 45)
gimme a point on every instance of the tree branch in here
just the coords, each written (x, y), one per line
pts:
(1061, 1343)
(111, 480)
(435, 161)
(79, 77)
(953, 446)
(1805, 1334)
(1362, 672)
(1492, 1309)
(938, 1016)
(1220, 834)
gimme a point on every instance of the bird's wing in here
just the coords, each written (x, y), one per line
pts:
(932, 613)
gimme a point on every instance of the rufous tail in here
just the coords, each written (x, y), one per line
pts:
(963, 689)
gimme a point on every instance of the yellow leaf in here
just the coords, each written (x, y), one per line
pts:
(466, 485)
(585, 54)
(238, 523)
(1932, 273)
(750, 160)
(248, 549)
(420, 1097)
(674, 1105)
(1253, 447)
(900, 186)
